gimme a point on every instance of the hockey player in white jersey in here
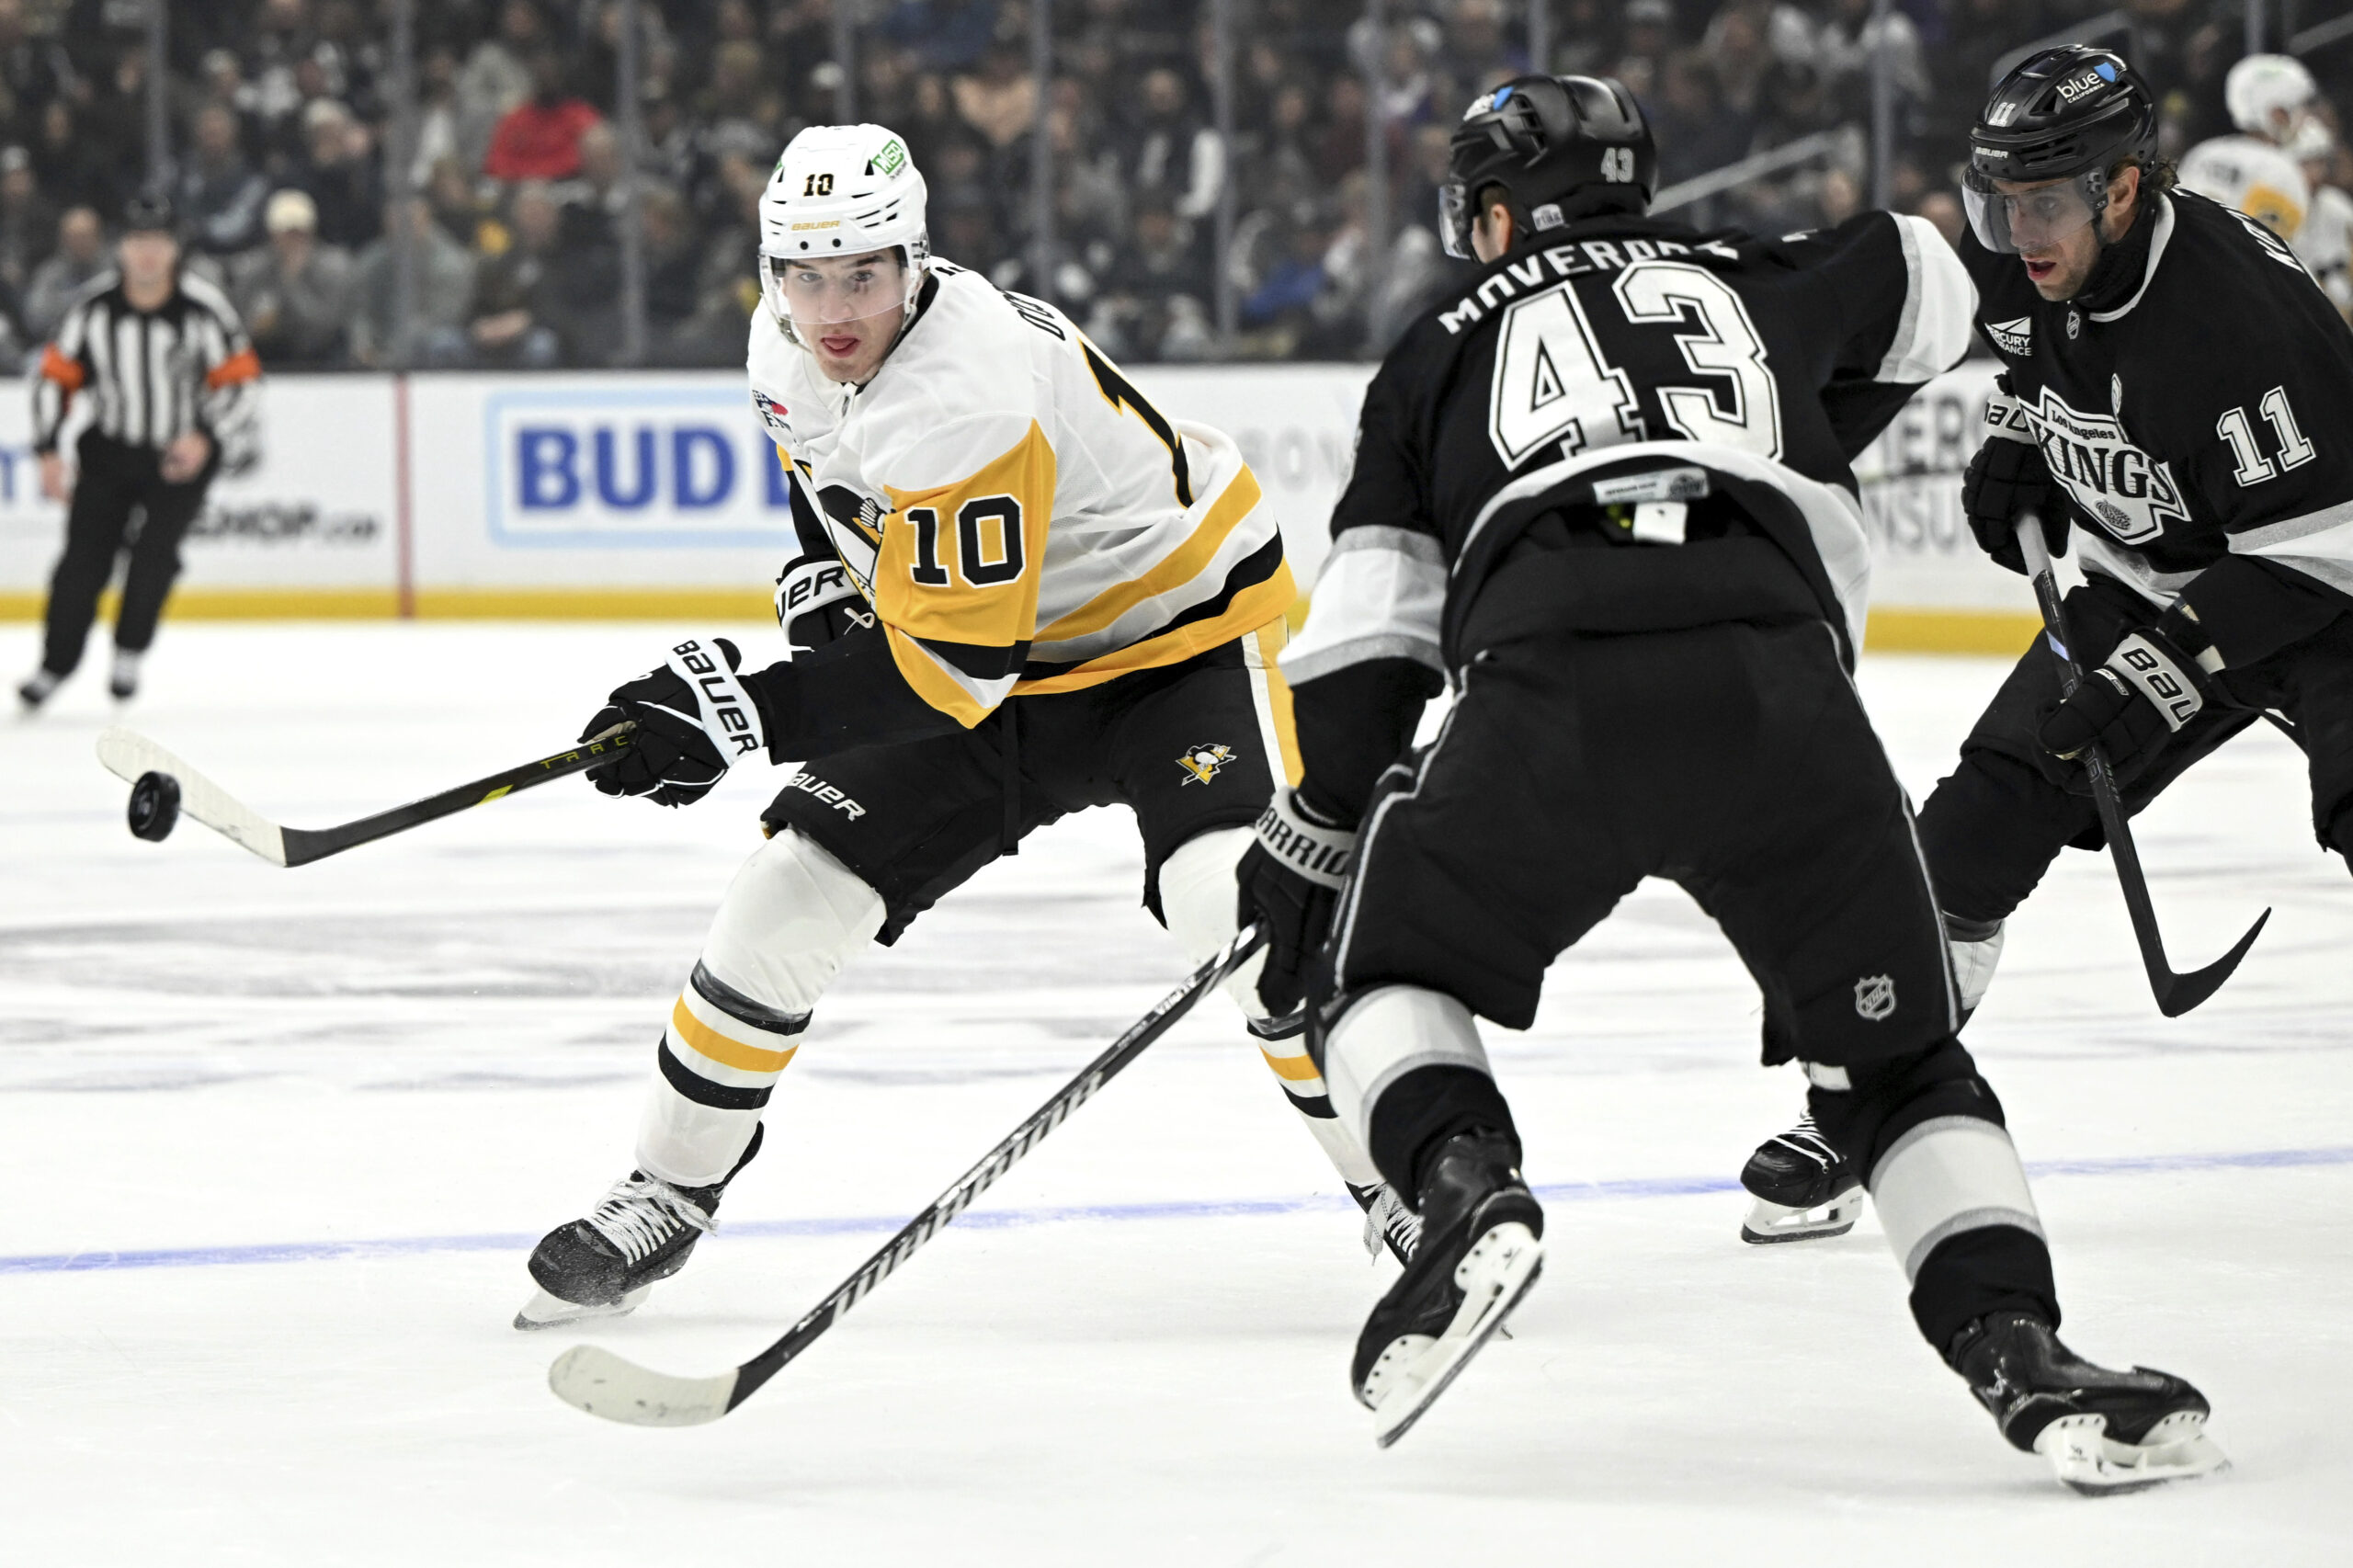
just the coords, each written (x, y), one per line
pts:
(1021, 592)
(2258, 171)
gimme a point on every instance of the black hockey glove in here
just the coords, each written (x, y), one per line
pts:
(2130, 707)
(815, 604)
(2007, 479)
(693, 719)
(1291, 879)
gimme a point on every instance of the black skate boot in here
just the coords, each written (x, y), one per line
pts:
(1804, 1188)
(604, 1265)
(2103, 1431)
(1387, 1222)
(37, 690)
(1477, 1256)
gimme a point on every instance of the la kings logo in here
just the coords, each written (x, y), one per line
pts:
(2131, 493)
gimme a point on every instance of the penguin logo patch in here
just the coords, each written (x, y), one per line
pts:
(1875, 997)
(1202, 762)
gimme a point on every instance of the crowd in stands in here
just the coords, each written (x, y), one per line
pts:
(282, 138)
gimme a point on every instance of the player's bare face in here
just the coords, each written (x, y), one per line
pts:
(848, 310)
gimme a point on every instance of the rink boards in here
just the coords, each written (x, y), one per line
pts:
(658, 496)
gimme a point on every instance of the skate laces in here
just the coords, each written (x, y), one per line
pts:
(642, 1212)
(1806, 1139)
(1386, 1218)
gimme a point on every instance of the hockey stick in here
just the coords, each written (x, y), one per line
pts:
(590, 1378)
(2175, 993)
(130, 755)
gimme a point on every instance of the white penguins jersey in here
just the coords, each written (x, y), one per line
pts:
(1019, 517)
(2254, 176)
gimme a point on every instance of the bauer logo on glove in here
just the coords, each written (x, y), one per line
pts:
(693, 718)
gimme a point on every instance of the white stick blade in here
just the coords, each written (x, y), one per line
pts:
(127, 754)
(590, 1378)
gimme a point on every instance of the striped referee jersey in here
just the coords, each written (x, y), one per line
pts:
(152, 376)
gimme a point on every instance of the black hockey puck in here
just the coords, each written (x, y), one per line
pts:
(155, 807)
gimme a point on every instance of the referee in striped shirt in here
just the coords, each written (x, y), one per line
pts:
(171, 380)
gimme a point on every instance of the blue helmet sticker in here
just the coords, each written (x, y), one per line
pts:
(1497, 101)
(2106, 71)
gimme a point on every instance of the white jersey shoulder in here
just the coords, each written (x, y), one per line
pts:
(2254, 176)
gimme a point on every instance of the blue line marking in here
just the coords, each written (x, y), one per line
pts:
(1007, 1219)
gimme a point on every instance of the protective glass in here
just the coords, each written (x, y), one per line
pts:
(1454, 221)
(828, 292)
(2031, 220)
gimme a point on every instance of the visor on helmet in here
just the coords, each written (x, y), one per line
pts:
(1454, 219)
(811, 296)
(2034, 219)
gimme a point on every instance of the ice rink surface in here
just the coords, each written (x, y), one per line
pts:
(276, 1144)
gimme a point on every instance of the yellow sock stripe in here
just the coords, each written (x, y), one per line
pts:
(720, 1049)
(1299, 1069)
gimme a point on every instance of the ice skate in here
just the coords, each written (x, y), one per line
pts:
(122, 681)
(1477, 1256)
(2104, 1431)
(606, 1265)
(1802, 1188)
(1387, 1222)
(37, 688)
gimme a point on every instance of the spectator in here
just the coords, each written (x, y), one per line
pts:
(1172, 153)
(27, 221)
(80, 256)
(496, 78)
(71, 168)
(539, 138)
(541, 303)
(436, 333)
(999, 101)
(220, 195)
(339, 173)
(1156, 267)
(293, 292)
(1697, 129)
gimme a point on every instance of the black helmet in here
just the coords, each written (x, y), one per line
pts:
(148, 213)
(1561, 147)
(2073, 112)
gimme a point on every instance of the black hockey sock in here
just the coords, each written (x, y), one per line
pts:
(1991, 829)
(1998, 1269)
(1420, 1111)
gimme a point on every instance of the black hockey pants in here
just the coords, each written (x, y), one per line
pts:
(1995, 825)
(115, 481)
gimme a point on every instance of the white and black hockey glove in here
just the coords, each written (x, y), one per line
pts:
(815, 604)
(694, 719)
(1289, 881)
(2130, 707)
(2007, 479)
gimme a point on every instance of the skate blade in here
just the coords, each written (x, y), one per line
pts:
(1770, 1222)
(543, 1310)
(1494, 1274)
(2088, 1460)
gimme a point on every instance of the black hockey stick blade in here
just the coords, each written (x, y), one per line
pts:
(2175, 993)
(129, 755)
(590, 1378)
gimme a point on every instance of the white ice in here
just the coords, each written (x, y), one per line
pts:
(444, 1036)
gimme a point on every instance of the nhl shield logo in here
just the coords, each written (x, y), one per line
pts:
(1875, 996)
(1202, 762)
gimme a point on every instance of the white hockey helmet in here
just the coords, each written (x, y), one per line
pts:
(2262, 85)
(842, 190)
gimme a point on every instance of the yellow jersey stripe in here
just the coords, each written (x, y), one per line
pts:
(722, 1050)
(1181, 565)
(1252, 607)
(931, 679)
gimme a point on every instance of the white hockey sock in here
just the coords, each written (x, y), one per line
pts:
(1390, 1032)
(1946, 1176)
(791, 919)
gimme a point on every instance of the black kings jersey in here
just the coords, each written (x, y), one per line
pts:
(1769, 361)
(2201, 424)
